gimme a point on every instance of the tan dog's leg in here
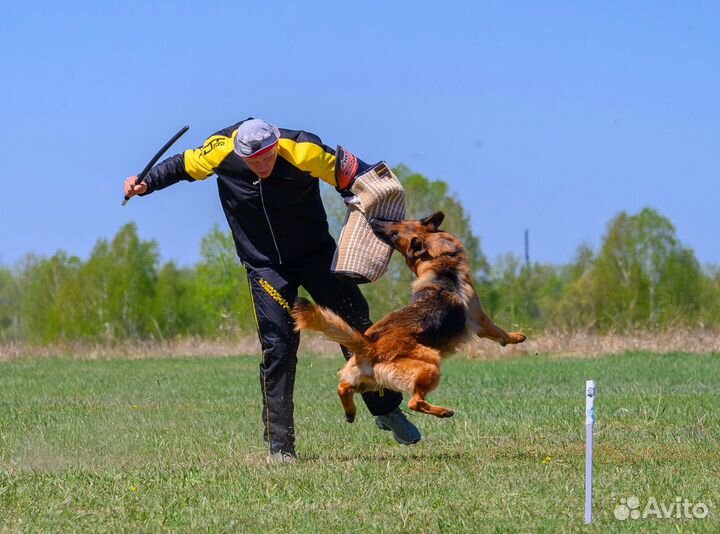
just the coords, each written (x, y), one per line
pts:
(426, 378)
(346, 393)
(419, 404)
(484, 327)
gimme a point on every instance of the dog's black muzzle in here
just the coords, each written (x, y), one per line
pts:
(381, 228)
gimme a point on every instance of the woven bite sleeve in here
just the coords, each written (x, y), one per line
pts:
(360, 255)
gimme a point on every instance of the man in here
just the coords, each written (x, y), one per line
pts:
(268, 184)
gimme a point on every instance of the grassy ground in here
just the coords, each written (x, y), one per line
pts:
(174, 445)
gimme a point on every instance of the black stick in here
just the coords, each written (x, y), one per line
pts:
(156, 157)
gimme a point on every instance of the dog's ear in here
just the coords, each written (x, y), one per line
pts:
(417, 247)
(440, 247)
(433, 221)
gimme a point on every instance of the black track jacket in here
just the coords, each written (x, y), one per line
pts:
(275, 220)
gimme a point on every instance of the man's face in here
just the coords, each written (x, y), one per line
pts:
(263, 165)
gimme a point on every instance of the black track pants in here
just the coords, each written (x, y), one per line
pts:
(274, 290)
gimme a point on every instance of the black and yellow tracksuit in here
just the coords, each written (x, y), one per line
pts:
(280, 230)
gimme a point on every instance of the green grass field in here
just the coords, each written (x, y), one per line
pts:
(175, 445)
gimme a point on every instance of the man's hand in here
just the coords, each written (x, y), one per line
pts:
(132, 189)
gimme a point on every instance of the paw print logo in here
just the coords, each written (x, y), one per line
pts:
(627, 508)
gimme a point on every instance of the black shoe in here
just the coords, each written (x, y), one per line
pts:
(403, 430)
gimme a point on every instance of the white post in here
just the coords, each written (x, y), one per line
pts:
(589, 421)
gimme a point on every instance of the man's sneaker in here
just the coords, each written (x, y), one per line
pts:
(281, 457)
(403, 430)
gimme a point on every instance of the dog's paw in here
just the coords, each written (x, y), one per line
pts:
(516, 337)
(447, 412)
(350, 417)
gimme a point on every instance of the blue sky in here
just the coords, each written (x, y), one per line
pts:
(550, 116)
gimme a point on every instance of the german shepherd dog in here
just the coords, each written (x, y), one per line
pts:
(403, 351)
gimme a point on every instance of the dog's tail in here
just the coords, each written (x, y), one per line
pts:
(309, 316)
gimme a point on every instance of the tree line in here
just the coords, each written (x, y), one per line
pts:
(641, 277)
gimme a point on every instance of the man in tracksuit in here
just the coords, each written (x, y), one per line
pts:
(268, 184)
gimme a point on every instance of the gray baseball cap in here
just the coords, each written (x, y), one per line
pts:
(255, 137)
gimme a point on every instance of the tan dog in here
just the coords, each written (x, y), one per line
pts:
(403, 351)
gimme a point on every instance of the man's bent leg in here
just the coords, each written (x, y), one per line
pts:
(272, 294)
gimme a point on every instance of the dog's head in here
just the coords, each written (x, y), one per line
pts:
(418, 241)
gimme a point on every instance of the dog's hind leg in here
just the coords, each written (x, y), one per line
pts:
(427, 377)
(483, 326)
(419, 404)
(352, 381)
(346, 393)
